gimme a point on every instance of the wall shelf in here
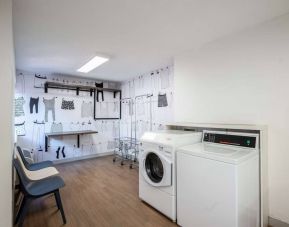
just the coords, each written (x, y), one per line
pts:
(61, 86)
(83, 88)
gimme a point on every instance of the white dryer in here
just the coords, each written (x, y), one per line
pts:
(157, 167)
(218, 181)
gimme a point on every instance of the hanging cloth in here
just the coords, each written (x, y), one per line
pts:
(49, 106)
(33, 102)
(67, 105)
(162, 100)
(18, 106)
(98, 91)
(86, 109)
(20, 129)
(39, 81)
(56, 127)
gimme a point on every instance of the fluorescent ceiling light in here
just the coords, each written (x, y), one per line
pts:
(92, 64)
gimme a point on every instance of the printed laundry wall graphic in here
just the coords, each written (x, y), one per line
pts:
(162, 100)
(110, 107)
(39, 81)
(67, 105)
(147, 103)
(61, 110)
(34, 104)
(20, 129)
(18, 106)
(37, 139)
(56, 127)
(99, 92)
(49, 107)
(86, 109)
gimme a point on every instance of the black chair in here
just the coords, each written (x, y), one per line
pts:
(36, 189)
(33, 166)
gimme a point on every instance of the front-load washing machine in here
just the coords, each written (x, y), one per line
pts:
(157, 167)
(218, 181)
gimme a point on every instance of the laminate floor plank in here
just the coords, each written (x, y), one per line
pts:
(97, 193)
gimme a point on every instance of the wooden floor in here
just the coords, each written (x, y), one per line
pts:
(97, 193)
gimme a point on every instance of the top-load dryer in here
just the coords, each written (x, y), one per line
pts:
(157, 167)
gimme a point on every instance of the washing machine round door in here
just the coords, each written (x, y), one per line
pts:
(154, 167)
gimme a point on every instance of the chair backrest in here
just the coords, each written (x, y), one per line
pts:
(26, 153)
(20, 152)
(22, 177)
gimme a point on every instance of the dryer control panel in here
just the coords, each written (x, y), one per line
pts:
(240, 140)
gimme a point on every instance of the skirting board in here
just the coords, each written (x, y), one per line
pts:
(277, 223)
(83, 157)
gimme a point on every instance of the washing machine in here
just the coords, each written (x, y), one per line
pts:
(157, 167)
(218, 181)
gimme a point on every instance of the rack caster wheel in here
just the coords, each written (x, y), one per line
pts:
(121, 163)
(130, 166)
(113, 159)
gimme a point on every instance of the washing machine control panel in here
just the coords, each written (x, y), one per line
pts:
(231, 139)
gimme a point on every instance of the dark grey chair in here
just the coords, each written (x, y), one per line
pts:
(36, 189)
(33, 166)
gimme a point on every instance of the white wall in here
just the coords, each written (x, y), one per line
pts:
(243, 78)
(6, 96)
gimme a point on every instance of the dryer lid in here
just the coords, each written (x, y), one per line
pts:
(229, 147)
(173, 138)
(219, 153)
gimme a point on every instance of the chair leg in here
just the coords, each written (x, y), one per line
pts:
(22, 211)
(56, 200)
(59, 205)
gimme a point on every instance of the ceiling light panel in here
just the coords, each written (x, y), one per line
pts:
(92, 64)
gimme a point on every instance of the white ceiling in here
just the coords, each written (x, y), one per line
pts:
(138, 35)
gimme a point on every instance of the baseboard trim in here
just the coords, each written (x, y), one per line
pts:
(277, 223)
(82, 158)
